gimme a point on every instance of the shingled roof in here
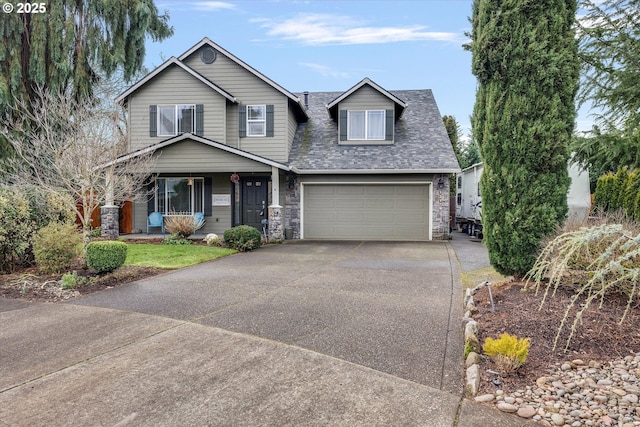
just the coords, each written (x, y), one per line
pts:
(421, 143)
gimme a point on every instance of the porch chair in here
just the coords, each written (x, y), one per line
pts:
(155, 220)
(198, 220)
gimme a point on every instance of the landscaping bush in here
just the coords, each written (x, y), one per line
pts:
(176, 239)
(106, 256)
(508, 352)
(56, 246)
(243, 238)
(597, 261)
(619, 192)
(181, 225)
(23, 211)
(16, 228)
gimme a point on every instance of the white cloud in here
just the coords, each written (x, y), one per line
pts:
(212, 6)
(326, 71)
(324, 29)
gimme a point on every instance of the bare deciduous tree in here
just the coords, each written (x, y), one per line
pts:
(71, 147)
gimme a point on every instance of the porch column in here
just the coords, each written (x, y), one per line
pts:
(276, 219)
(109, 213)
(110, 219)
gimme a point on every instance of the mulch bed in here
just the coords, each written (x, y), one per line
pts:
(599, 337)
(27, 283)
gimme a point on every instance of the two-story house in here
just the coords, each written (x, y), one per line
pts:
(230, 142)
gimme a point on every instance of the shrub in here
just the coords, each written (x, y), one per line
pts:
(599, 260)
(16, 228)
(243, 238)
(56, 246)
(106, 256)
(71, 280)
(508, 352)
(619, 191)
(181, 225)
(176, 239)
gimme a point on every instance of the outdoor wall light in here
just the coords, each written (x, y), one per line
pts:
(440, 183)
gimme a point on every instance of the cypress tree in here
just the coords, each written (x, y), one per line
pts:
(524, 55)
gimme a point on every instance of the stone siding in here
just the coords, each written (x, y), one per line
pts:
(440, 221)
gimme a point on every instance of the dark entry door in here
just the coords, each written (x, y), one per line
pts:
(254, 201)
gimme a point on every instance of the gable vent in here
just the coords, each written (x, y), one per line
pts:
(208, 55)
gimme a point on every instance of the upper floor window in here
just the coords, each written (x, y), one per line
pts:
(366, 124)
(256, 120)
(176, 119)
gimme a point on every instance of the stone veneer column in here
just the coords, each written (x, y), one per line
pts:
(276, 224)
(110, 218)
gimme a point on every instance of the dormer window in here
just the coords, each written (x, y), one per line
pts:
(366, 125)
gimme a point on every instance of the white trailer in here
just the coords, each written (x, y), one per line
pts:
(469, 201)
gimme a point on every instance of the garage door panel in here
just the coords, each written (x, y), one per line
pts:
(366, 211)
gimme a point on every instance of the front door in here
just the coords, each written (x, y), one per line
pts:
(254, 201)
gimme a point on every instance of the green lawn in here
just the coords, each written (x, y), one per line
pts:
(473, 278)
(170, 257)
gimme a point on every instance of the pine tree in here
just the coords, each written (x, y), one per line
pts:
(524, 55)
(65, 48)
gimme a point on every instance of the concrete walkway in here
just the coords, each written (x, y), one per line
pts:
(296, 334)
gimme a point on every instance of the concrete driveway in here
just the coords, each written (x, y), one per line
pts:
(304, 333)
(387, 306)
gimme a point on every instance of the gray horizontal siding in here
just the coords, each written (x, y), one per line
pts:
(190, 156)
(175, 86)
(366, 98)
(248, 90)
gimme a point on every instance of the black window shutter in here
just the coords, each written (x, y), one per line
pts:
(153, 120)
(199, 119)
(151, 197)
(208, 189)
(343, 125)
(389, 126)
(269, 120)
(242, 121)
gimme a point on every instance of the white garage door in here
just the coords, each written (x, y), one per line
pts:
(366, 211)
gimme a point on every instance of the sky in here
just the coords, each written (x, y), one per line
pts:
(322, 46)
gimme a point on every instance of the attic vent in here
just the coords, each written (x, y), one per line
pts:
(208, 55)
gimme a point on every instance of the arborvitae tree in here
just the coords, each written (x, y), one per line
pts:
(453, 130)
(65, 47)
(524, 55)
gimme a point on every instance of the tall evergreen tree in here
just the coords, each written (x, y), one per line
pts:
(453, 130)
(64, 48)
(524, 55)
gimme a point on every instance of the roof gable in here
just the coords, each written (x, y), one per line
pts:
(400, 105)
(168, 63)
(202, 140)
(293, 99)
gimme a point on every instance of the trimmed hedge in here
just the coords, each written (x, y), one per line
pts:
(106, 256)
(243, 238)
(619, 192)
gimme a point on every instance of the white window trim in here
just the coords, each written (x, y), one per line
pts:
(176, 131)
(166, 197)
(366, 125)
(263, 121)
